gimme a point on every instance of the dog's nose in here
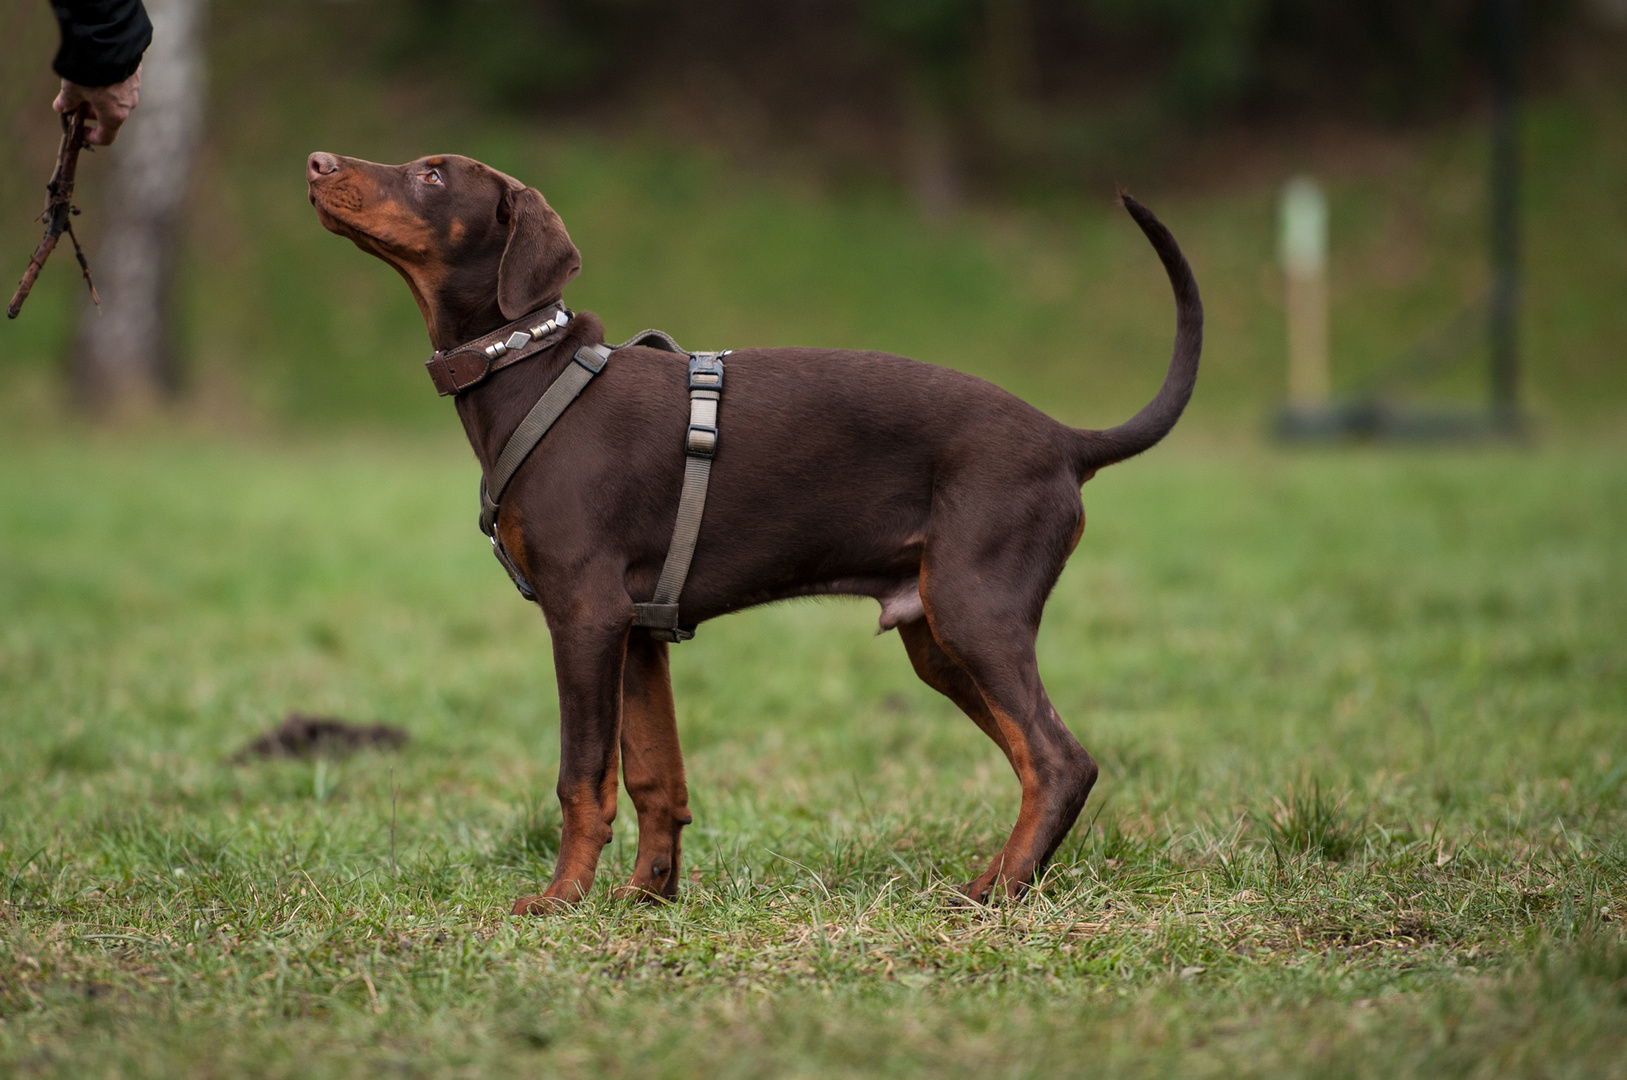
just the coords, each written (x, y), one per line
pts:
(320, 164)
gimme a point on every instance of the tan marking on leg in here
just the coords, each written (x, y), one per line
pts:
(1012, 870)
(1077, 533)
(587, 798)
(653, 768)
(588, 815)
(1051, 801)
(511, 534)
(938, 671)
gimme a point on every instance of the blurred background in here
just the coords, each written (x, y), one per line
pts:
(932, 177)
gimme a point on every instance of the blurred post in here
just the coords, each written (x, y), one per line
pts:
(934, 173)
(1505, 239)
(1303, 248)
(124, 359)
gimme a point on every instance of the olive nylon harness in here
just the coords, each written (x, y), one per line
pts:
(466, 366)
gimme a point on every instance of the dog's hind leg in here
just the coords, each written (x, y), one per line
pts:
(988, 633)
(653, 767)
(945, 676)
(1070, 771)
(589, 651)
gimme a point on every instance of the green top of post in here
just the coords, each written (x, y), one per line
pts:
(1303, 238)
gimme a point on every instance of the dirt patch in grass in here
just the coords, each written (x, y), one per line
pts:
(301, 736)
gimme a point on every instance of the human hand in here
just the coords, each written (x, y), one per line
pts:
(109, 106)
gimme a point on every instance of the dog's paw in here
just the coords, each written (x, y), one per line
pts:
(539, 905)
(992, 888)
(640, 894)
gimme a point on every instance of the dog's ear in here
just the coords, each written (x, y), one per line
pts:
(539, 258)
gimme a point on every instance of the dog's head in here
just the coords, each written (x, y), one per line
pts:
(477, 248)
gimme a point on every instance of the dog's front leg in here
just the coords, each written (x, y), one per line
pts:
(653, 766)
(588, 655)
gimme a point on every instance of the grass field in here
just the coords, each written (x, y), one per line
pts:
(1362, 721)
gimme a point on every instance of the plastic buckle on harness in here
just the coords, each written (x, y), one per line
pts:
(705, 391)
(702, 440)
(592, 357)
(662, 622)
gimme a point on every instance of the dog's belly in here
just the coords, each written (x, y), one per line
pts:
(900, 599)
(898, 593)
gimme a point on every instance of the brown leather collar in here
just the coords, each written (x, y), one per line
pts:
(468, 365)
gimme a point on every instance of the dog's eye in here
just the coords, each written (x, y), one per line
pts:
(433, 176)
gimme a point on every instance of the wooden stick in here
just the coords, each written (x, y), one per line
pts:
(59, 210)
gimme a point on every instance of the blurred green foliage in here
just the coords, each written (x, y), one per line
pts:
(1204, 58)
(1054, 296)
(1008, 94)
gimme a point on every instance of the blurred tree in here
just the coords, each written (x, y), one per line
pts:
(1010, 49)
(124, 360)
(933, 42)
(517, 52)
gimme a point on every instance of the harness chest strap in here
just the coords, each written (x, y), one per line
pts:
(588, 362)
(660, 615)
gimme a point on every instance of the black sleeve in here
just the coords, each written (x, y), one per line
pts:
(102, 40)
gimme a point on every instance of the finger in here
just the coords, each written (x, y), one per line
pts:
(112, 117)
(103, 133)
(67, 97)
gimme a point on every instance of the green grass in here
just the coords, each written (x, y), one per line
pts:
(1361, 722)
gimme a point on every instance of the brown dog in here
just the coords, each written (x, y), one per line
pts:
(943, 497)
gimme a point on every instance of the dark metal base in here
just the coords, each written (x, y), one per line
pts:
(1377, 420)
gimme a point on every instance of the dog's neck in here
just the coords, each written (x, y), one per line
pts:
(447, 331)
(450, 331)
(492, 410)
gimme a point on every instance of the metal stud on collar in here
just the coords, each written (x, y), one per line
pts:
(551, 325)
(521, 338)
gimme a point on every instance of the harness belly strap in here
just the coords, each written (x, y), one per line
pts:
(660, 615)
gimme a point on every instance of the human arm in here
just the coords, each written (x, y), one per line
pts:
(100, 60)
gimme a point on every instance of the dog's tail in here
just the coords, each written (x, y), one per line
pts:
(1098, 449)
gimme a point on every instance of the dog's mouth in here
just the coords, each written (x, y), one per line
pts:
(375, 225)
(336, 203)
(332, 222)
(336, 195)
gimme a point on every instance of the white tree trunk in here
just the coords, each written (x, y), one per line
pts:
(124, 360)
